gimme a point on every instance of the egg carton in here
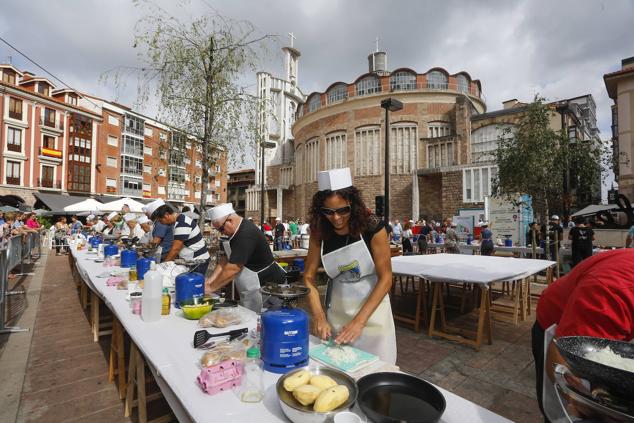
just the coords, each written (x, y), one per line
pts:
(220, 377)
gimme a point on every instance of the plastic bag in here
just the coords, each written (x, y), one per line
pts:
(235, 350)
(220, 318)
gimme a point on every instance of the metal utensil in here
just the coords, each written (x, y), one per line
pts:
(202, 336)
(330, 343)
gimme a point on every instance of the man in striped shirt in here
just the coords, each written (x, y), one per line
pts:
(188, 241)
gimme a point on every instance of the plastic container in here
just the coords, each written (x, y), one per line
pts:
(110, 250)
(142, 266)
(299, 262)
(252, 385)
(189, 286)
(152, 295)
(128, 258)
(508, 242)
(166, 301)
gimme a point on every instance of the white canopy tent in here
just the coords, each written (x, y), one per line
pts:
(89, 204)
(135, 206)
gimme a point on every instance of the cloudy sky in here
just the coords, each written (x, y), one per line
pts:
(559, 49)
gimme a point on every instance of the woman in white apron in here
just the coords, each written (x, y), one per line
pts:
(356, 257)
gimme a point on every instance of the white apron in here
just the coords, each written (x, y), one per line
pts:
(247, 282)
(353, 277)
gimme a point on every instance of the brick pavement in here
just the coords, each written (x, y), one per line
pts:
(67, 373)
(500, 377)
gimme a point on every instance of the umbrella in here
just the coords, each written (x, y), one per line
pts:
(88, 204)
(135, 206)
(7, 209)
(42, 212)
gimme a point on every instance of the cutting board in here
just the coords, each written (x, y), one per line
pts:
(318, 353)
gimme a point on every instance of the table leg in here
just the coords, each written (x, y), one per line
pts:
(142, 400)
(489, 323)
(441, 305)
(481, 315)
(132, 365)
(94, 309)
(434, 304)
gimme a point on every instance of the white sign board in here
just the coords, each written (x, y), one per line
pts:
(504, 219)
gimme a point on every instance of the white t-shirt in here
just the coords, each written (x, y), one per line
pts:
(303, 229)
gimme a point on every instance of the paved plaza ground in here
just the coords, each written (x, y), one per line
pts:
(57, 373)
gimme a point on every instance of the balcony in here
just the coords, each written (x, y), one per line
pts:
(111, 190)
(51, 125)
(17, 148)
(49, 183)
(15, 115)
(50, 152)
(131, 192)
(11, 180)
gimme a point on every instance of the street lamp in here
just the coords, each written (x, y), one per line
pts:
(263, 145)
(390, 105)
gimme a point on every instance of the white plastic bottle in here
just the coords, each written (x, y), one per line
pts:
(151, 302)
(252, 386)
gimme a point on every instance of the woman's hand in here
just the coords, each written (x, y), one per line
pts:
(350, 332)
(323, 328)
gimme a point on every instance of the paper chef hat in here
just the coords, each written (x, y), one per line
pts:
(112, 215)
(151, 207)
(220, 211)
(143, 219)
(90, 217)
(129, 217)
(334, 179)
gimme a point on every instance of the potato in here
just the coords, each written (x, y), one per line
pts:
(300, 378)
(306, 394)
(331, 398)
(322, 382)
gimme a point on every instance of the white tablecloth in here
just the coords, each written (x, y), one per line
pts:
(467, 268)
(167, 348)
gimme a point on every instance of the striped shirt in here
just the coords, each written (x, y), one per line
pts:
(186, 230)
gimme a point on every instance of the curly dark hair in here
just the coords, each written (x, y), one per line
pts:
(359, 216)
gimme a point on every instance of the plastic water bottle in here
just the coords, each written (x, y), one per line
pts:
(252, 386)
(152, 295)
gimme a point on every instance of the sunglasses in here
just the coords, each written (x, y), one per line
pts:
(221, 228)
(342, 211)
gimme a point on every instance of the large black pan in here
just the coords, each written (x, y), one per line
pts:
(617, 381)
(398, 397)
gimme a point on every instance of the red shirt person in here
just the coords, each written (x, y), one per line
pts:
(595, 299)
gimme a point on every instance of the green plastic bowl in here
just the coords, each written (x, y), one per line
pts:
(195, 312)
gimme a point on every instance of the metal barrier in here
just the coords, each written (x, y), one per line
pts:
(17, 252)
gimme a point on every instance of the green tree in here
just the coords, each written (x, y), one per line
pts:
(195, 69)
(536, 160)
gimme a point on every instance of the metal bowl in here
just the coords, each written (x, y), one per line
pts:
(298, 413)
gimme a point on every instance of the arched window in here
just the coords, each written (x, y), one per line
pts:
(314, 103)
(437, 80)
(368, 85)
(463, 84)
(337, 93)
(402, 80)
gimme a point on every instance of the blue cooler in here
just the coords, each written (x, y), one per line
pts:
(284, 340)
(299, 263)
(508, 242)
(189, 286)
(128, 258)
(142, 266)
(110, 250)
(95, 241)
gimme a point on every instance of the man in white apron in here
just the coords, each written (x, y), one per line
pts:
(595, 299)
(353, 280)
(248, 260)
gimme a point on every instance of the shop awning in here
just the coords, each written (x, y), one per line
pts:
(595, 208)
(56, 202)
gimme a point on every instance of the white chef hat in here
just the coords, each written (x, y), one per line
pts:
(220, 211)
(554, 217)
(90, 217)
(334, 179)
(112, 215)
(143, 219)
(129, 217)
(151, 207)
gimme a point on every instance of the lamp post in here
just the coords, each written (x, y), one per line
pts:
(263, 145)
(390, 105)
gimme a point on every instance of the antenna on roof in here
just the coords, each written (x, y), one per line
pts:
(377, 43)
(10, 59)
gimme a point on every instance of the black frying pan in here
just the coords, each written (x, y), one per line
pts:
(398, 397)
(616, 381)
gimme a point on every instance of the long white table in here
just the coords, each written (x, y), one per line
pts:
(471, 269)
(167, 348)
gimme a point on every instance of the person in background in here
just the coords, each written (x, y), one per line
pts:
(75, 225)
(423, 238)
(61, 231)
(110, 225)
(135, 229)
(294, 232)
(99, 225)
(268, 231)
(581, 236)
(248, 260)
(32, 222)
(407, 239)
(304, 231)
(1, 218)
(596, 298)
(486, 240)
(353, 247)
(125, 209)
(556, 234)
(146, 225)
(163, 235)
(630, 237)
(397, 231)
(120, 229)
(188, 241)
(89, 222)
(279, 235)
(451, 238)
(16, 219)
(532, 233)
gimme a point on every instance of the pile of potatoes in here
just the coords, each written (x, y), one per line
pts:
(320, 390)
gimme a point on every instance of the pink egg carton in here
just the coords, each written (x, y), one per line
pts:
(114, 281)
(220, 377)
